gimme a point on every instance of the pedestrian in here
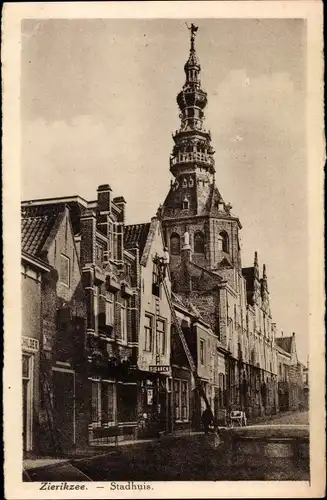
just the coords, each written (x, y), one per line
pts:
(207, 419)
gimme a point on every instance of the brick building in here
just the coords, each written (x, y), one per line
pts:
(54, 317)
(210, 273)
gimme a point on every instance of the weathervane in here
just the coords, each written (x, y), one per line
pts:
(193, 29)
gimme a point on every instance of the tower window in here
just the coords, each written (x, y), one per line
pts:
(184, 182)
(175, 244)
(191, 182)
(223, 242)
(185, 204)
(198, 242)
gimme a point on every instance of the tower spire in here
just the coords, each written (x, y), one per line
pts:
(192, 143)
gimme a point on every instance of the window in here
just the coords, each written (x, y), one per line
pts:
(184, 182)
(96, 402)
(148, 333)
(185, 204)
(198, 242)
(103, 402)
(155, 280)
(181, 399)
(123, 320)
(161, 335)
(184, 400)
(64, 270)
(110, 309)
(223, 242)
(127, 269)
(96, 309)
(99, 252)
(108, 406)
(191, 182)
(175, 244)
(202, 352)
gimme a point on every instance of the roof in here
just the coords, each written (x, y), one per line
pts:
(285, 343)
(135, 235)
(36, 226)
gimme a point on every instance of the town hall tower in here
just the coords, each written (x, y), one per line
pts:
(194, 203)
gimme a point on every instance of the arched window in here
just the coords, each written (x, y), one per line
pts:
(175, 244)
(198, 242)
(223, 242)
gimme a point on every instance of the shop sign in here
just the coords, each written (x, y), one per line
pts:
(159, 368)
(30, 344)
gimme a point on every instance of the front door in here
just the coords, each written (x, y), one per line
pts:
(64, 411)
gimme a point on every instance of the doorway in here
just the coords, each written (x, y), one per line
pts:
(64, 407)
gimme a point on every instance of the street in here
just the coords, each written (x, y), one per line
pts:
(170, 459)
(296, 418)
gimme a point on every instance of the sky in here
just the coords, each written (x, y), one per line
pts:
(98, 105)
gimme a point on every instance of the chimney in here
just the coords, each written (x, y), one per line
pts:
(120, 202)
(104, 198)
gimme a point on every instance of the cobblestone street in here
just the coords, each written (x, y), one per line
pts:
(290, 418)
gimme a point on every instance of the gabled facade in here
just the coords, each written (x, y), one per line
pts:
(61, 409)
(291, 391)
(145, 242)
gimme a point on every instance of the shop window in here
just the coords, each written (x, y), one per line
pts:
(127, 402)
(181, 400)
(148, 333)
(64, 274)
(175, 244)
(103, 402)
(198, 242)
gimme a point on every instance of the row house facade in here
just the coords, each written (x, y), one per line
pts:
(104, 318)
(291, 383)
(55, 409)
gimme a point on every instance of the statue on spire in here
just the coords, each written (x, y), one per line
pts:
(193, 29)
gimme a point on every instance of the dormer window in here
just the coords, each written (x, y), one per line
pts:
(185, 204)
